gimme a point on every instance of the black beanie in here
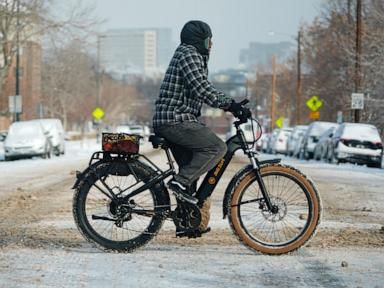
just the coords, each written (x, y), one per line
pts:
(196, 33)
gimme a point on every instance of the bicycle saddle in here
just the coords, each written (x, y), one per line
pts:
(158, 141)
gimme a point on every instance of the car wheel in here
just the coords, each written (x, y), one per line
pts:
(374, 165)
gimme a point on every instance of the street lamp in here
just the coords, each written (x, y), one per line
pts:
(298, 81)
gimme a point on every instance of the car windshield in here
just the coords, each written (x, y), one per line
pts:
(24, 129)
(361, 132)
(320, 128)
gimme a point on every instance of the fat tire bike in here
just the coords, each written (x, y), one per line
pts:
(120, 201)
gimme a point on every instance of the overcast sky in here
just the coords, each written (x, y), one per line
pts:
(234, 23)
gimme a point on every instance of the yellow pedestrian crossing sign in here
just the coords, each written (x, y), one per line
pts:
(98, 113)
(280, 122)
(314, 103)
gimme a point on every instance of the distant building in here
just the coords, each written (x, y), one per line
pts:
(136, 51)
(30, 85)
(261, 53)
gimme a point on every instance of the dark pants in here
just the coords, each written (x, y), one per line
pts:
(195, 147)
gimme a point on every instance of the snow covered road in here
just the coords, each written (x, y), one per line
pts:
(41, 247)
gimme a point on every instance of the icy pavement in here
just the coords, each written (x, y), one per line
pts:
(196, 266)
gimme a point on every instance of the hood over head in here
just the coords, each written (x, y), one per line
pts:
(197, 33)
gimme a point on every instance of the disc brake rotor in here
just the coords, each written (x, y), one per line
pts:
(281, 210)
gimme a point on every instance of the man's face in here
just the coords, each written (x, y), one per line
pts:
(208, 44)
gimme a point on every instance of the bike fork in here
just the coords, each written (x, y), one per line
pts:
(260, 181)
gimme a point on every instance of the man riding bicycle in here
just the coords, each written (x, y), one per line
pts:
(183, 91)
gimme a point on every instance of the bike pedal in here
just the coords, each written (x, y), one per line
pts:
(187, 200)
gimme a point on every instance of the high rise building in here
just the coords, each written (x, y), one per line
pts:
(261, 53)
(137, 51)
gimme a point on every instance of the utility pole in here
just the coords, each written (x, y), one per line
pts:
(273, 96)
(98, 84)
(358, 76)
(298, 85)
(17, 76)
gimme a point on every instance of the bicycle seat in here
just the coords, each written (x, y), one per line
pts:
(158, 141)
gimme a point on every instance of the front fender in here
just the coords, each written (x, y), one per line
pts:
(239, 175)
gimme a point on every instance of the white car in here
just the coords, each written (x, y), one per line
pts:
(123, 129)
(53, 128)
(312, 135)
(26, 139)
(357, 143)
(279, 145)
(292, 142)
(137, 129)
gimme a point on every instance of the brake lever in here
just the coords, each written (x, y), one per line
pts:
(244, 102)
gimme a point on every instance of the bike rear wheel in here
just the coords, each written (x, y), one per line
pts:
(294, 223)
(119, 226)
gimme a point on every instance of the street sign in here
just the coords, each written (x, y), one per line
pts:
(314, 103)
(357, 101)
(314, 115)
(14, 104)
(279, 122)
(339, 118)
(98, 113)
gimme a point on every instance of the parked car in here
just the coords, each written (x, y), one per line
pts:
(123, 129)
(137, 129)
(321, 149)
(53, 129)
(264, 142)
(357, 143)
(3, 135)
(297, 152)
(293, 138)
(312, 135)
(272, 139)
(259, 143)
(279, 145)
(26, 139)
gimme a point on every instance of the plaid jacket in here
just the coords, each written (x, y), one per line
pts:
(185, 88)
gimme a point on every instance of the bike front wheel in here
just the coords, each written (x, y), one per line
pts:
(286, 229)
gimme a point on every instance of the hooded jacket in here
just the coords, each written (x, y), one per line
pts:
(197, 33)
(185, 86)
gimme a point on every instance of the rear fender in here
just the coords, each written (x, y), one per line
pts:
(237, 177)
(80, 175)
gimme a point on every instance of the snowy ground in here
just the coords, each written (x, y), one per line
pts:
(41, 247)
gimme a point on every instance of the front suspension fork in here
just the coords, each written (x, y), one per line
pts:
(259, 179)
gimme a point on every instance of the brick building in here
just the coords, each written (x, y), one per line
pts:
(30, 85)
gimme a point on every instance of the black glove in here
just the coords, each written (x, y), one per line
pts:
(239, 111)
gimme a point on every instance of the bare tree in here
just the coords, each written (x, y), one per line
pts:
(32, 20)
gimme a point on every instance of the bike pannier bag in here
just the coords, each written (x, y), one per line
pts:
(120, 143)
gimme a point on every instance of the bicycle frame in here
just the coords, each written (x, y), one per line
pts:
(213, 176)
